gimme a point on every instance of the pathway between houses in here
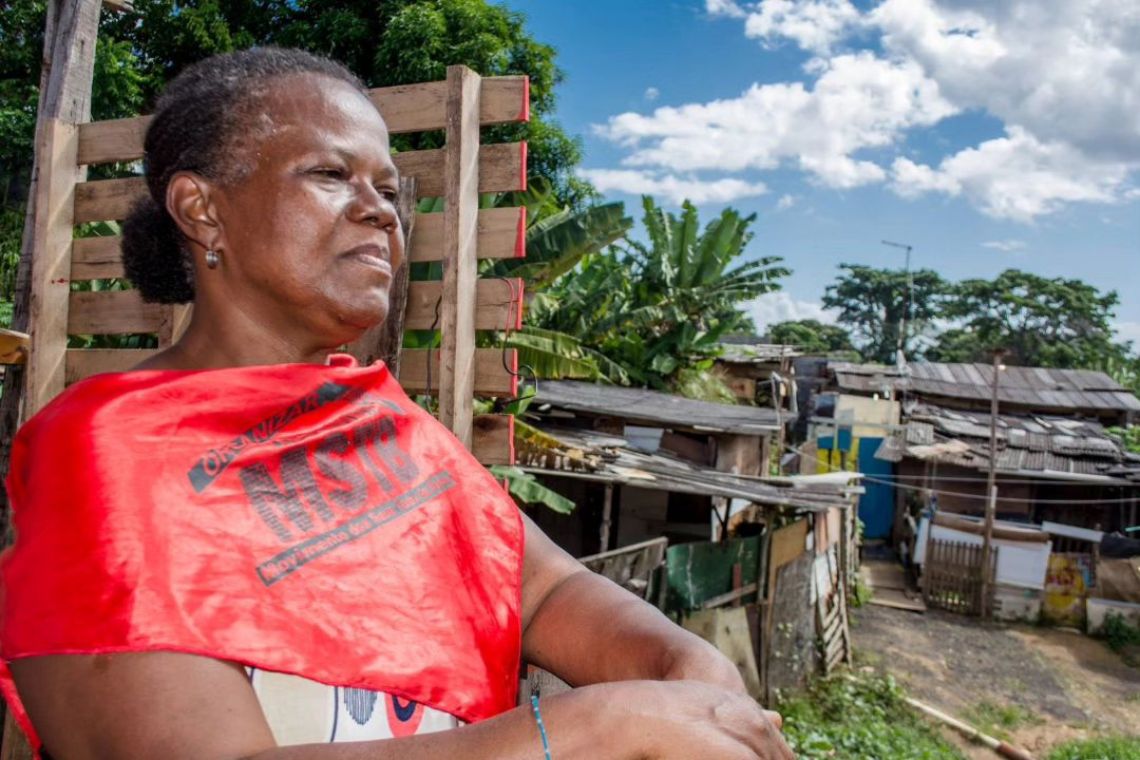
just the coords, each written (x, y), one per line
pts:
(1072, 685)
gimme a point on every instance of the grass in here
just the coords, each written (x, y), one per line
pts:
(1115, 748)
(999, 720)
(859, 716)
(1123, 638)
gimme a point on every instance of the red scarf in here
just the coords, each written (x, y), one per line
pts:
(300, 518)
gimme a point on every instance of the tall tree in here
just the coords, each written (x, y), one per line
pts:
(876, 303)
(812, 336)
(385, 42)
(1042, 322)
(660, 308)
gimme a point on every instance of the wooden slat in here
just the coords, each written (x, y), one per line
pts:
(502, 168)
(113, 312)
(491, 377)
(406, 108)
(497, 305)
(460, 265)
(84, 362)
(493, 439)
(51, 254)
(116, 312)
(96, 258)
(502, 235)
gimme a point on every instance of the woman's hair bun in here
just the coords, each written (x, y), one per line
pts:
(153, 256)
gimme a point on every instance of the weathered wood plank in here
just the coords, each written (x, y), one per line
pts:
(502, 235)
(460, 232)
(492, 378)
(498, 306)
(112, 312)
(97, 258)
(51, 256)
(493, 439)
(405, 108)
(84, 362)
(502, 168)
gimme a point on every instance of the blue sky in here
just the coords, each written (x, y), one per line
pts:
(987, 134)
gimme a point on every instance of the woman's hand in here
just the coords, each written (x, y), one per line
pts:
(682, 720)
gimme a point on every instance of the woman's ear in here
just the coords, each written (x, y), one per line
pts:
(188, 199)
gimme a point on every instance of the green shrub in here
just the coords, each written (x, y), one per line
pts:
(859, 716)
(1115, 748)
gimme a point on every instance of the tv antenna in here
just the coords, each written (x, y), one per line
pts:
(900, 357)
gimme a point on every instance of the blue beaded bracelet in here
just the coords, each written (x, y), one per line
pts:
(541, 726)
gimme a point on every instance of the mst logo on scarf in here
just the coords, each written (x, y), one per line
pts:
(297, 518)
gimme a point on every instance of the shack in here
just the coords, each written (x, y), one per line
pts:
(929, 426)
(759, 565)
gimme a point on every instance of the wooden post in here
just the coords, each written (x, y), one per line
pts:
(461, 208)
(65, 86)
(70, 31)
(51, 254)
(607, 518)
(991, 485)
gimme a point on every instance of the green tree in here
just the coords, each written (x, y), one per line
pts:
(660, 308)
(1042, 322)
(812, 336)
(385, 42)
(874, 303)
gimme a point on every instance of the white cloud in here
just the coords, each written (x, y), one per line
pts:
(1129, 331)
(652, 93)
(1062, 77)
(1062, 70)
(724, 8)
(1014, 177)
(814, 25)
(858, 102)
(1006, 246)
(786, 202)
(671, 186)
(780, 306)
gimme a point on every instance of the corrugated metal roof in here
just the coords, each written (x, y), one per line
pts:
(655, 408)
(1052, 446)
(1044, 388)
(620, 464)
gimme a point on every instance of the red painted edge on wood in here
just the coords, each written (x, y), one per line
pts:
(524, 116)
(511, 438)
(522, 163)
(519, 305)
(520, 235)
(514, 364)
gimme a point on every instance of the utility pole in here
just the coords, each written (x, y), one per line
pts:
(900, 358)
(991, 484)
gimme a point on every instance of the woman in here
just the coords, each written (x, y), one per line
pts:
(281, 514)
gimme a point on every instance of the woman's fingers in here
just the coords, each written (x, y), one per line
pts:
(775, 717)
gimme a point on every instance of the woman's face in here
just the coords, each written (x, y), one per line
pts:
(310, 236)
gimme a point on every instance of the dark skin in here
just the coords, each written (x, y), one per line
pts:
(308, 241)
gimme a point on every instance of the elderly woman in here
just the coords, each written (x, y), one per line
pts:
(261, 550)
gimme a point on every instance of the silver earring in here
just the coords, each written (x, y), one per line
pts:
(212, 259)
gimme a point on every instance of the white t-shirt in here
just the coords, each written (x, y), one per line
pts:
(300, 711)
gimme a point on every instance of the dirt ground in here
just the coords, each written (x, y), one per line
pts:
(1065, 684)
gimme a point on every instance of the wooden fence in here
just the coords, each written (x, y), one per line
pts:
(952, 576)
